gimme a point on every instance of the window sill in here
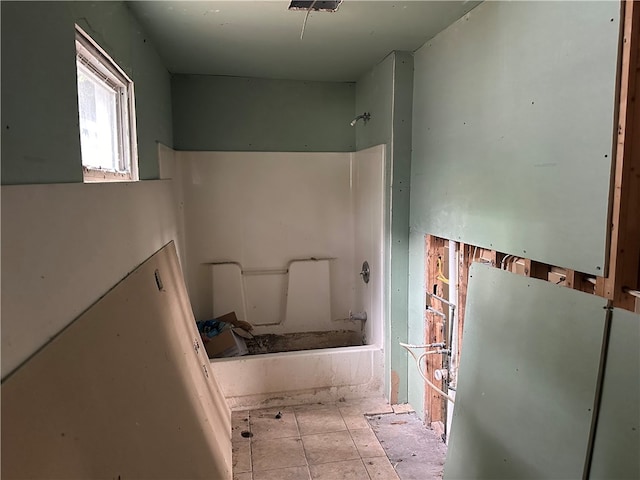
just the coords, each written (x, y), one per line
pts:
(102, 176)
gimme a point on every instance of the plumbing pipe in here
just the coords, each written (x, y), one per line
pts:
(447, 302)
(453, 298)
(428, 382)
(634, 293)
(433, 310)
(428, 345)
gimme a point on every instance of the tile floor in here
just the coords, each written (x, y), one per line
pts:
(320, 441)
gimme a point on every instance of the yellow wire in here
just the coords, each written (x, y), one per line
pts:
(440, 276)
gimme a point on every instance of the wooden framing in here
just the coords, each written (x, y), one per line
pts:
(624, 255)
(464, 261)
(536, 269)
(434, 330)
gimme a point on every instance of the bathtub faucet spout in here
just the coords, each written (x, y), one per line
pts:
(358, 316)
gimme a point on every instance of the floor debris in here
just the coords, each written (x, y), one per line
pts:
(415, 451)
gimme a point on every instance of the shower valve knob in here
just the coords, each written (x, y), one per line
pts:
(366, 272)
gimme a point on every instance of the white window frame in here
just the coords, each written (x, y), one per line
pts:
(104, 69)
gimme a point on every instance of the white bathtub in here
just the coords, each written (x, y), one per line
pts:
(290, 378)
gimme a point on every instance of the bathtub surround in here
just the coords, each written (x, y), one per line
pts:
(280, 238)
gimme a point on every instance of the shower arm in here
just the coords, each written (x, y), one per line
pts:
(366, 116)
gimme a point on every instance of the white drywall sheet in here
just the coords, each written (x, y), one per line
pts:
(616, 449)
(65, 245)
(513, 128)
(528, 378)
(122, 392)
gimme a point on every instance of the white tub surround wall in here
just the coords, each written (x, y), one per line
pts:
(271, 236)
(263, 210)
(296, 299)
(66, 245)
(368, 187)
(306, 292)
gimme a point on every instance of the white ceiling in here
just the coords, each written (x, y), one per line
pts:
(262, 38)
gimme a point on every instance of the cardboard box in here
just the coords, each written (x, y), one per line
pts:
(226, 344)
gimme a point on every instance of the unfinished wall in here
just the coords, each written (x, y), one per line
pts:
(40, 136)
(512, 130)
(507, 152)
(214, 113)
(386, 93)
(121, 393)
(65, 245)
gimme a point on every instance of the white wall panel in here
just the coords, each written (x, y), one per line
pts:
(65, 245)
(369, 207)
(263, 210)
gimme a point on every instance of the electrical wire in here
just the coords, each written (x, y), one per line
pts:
(306, 16)
(440, 276)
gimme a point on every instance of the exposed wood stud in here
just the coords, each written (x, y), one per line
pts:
(624, 254)
(536, 269)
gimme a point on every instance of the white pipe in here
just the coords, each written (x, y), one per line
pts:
(428, 345)
(634, 293)
(453, 325)
(421, 372)
(453, 301)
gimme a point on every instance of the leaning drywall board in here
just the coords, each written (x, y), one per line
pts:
(527, 380)
(513, 130)
(616, 449)
(121, 393)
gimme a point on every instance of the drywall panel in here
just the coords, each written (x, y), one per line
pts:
(121, 393)
(374, 94)
(263, 210)
(65, 245)
(617, 438)
(386, 93)
(40, 136)
(513, 124)
(265, 115)
(417, 326)
(528, 379)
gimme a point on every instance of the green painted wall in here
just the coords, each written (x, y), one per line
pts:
(254, 114)
(513, 130)
(386, 93)
(40, 137)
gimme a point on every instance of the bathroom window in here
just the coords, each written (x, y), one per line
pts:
(106, 115)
